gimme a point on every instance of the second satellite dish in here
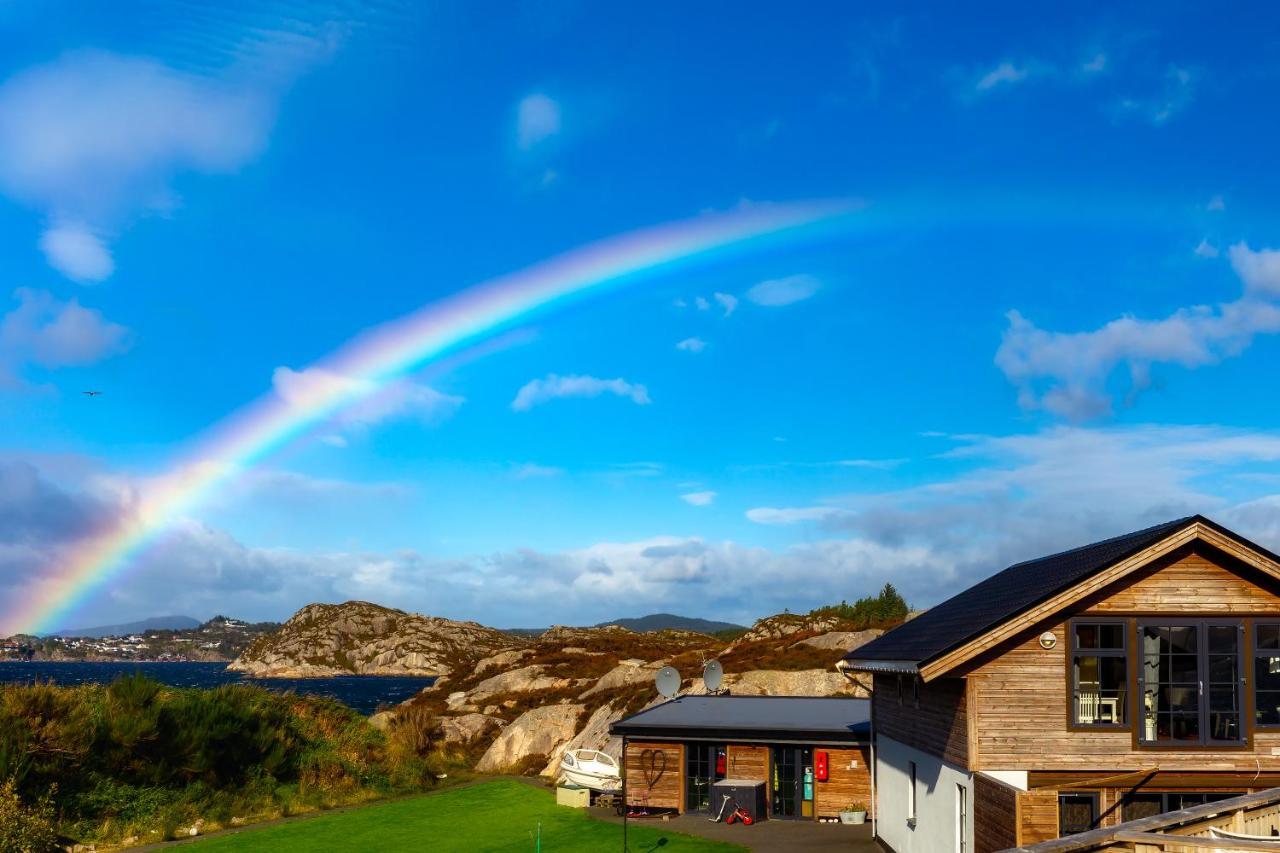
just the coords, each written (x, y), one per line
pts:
(712, 675)
(668, 681)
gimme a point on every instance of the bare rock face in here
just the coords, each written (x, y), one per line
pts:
(359, 638)
(783, 625)
(807, 682)
(627, 672)
(594, 735)
(502, 660)
(541, 731)
(528, 679)
(468, 727)
(844, 641)
(581, 637)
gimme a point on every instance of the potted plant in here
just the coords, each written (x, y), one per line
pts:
(855, 813)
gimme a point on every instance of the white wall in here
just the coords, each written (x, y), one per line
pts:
(935, 825)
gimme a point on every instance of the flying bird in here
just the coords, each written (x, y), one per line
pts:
(91, 393)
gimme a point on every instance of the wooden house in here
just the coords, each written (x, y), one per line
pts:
(1108, 683)
(811, 753)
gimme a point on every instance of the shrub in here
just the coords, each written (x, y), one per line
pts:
(26, 829)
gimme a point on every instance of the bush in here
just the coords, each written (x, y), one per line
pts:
(26, 829)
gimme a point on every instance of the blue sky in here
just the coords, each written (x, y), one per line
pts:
(1059, 321)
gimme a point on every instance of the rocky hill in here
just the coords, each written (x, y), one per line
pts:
(359, 638)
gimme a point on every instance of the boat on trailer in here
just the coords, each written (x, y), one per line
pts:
(592, 769)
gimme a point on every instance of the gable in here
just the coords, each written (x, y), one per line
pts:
(1200, 580)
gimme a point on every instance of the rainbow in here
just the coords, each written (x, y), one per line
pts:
(380, 355)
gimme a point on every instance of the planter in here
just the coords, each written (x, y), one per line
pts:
(853, 817)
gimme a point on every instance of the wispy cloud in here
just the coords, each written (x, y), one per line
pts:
(1205, 249)
(793, 515)
(373, 402)
(532, 470)
(699, 498)
(537, 120)
(1004, 74)
(1066, 373)
(692, 345)
(1096, 65)
(553, 387)
(727, 301)
(46, 332)
(777, 292)
(1176, 92)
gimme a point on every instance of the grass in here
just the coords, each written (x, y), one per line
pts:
(501, 815)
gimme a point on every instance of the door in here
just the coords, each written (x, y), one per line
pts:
(703, 764)
(1192, 682)
(792, 782)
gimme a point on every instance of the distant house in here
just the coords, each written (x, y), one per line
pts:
(811, 753)
(1111, 682)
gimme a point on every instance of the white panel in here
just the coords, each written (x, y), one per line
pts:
(1015, 778)
(934, 829)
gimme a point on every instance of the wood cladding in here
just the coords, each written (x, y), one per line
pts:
(939, 726)
(655, 775)
(747, 762)
(1038, 813)
(1021, 695)
(995, 815)
(845, 785)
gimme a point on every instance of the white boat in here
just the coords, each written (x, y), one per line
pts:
(591, 769)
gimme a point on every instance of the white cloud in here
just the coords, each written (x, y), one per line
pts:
(539, 391)
(93, 137)
(46, 332)
(537, 119)
(784, 291)
(1006, 73)
(1260, 270)
(1068, 373)
(727, 301)
(1205, 249)
(701, 303)
(1216, 204)
(692, 345)
(793, 515)
(76, 252)
(699, 498)
(1096, 65)
(364, 403)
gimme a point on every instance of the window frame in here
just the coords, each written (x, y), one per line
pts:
(1251, 658)
(1165, 796)
(1073, 687)
(1093, 796)
(1201, 625)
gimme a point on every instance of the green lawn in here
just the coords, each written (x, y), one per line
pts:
(492, 816)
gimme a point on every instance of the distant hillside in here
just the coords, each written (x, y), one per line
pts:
(157, 623)
(669, 621)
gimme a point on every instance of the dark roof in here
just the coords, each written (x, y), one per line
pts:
(1006, 594)
(775, 718)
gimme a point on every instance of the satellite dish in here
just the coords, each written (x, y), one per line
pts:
(712, 675)
(668, 681)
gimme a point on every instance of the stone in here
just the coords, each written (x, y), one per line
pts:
(806, 682)
(528, 679)
(538, 732)
(467, 727)
(382, 720)
(502, 660)
(594, 735)
(843, 641)
(627, 672)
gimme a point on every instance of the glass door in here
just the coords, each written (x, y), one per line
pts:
(792, 782)
(1191, 683)
(704, 764)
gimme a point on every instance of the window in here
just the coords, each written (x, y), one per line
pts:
(1266, 673)
(1100, 673)
(1077, 813)
(962, 819)
(911, 792)
(1146, 804)
(1191, 683)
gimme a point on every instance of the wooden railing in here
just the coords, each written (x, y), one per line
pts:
(1184, 831)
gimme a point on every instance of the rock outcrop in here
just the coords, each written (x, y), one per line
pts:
(468, 727)
(358, 638)
(541, 731)
(594, 735)
(842, 641)
(630, 671)
(805, 682)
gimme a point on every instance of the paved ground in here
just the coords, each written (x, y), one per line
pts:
(767, 836)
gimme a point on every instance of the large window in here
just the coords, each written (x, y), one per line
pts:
(1266, 673)
(1099, 673)
(1145, 804)
(1191, 680)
